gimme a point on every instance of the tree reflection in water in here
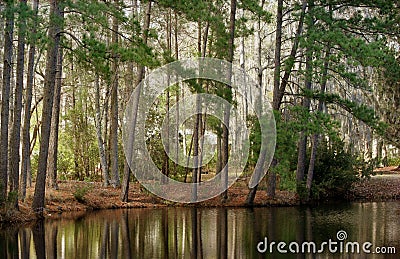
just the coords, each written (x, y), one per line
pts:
(201, 232)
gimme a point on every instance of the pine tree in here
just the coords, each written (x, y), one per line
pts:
(56, 19)
(5, 94)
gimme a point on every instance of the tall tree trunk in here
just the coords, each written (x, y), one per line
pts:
(5, 97)
(277, 80)
(77, 168)
(129, 89)
(225, 127)
(106, 131)
(55, 120)
(195, 172)
(188, 157)
(166, 151)
(279, 92)
(50, 80)
(315, 137)
(196, 149)
(202, 128)
(302, 146)
(278, 95)
(219, 154)
(16, 127)
(100, 142)
(27, 109)
(133, 119)
(177, 95)
(203, 117)
(252, 192)
(167, 105)
(114, 109)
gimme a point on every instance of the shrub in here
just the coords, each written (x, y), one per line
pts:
(394, 161)
(336, 169)
(80, 192)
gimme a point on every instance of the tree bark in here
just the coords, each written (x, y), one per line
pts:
(277, 100)
(202, 117)
(177, 95)
(114, 110)
(195, 172)
(16, 127)
(302, 146)
(133, 119)
(55, 120)
(100, 142)
(277, 80)
(167, 105)
(219, 154)
(315, 137)
(279, 93)
(252, 192)
(25, 169)
(228, 96)
(50, 80)
(5, 97)
(196, 149)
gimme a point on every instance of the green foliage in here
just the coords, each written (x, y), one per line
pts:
(394, 161)
(360, 111)
(287, 175)
(286, 151)
(78, 146)
(65, 159)
(80, 192)
(34, 160)
(91, 50)
(255, 141)
(336, 169)
(301, 120)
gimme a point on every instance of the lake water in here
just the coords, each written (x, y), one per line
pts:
(211, 233)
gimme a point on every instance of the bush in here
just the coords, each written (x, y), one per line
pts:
(80, 192)
(394, 161)
(336, 169)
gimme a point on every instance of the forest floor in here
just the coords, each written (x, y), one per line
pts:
(383, 186)
(75, 196)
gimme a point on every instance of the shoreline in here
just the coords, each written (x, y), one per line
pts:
(384, 186)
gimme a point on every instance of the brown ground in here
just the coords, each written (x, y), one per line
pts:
(383, 186)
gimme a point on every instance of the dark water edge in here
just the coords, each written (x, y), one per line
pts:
(204, 232)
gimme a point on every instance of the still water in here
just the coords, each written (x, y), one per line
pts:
(206, 232)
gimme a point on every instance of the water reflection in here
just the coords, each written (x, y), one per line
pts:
(202, 233)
